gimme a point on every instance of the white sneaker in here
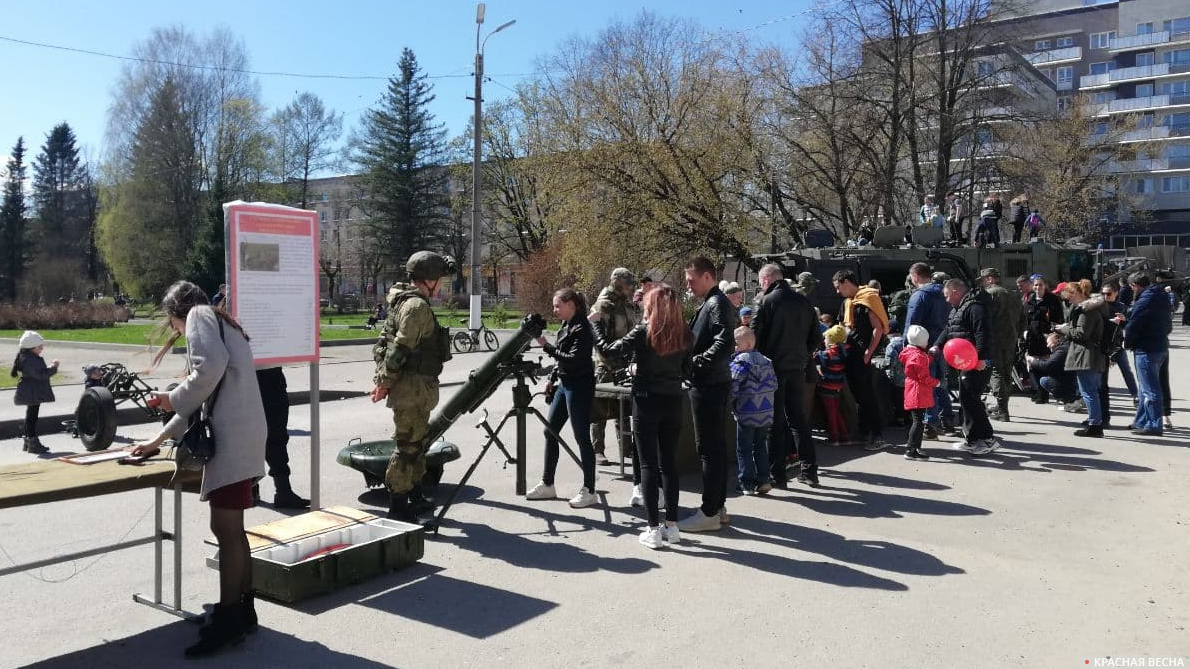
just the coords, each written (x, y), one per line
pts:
(671, 534)
(652, 538)
(638, 497)
(700, 522)
(542, 491)
(583, 498)
(724, 519)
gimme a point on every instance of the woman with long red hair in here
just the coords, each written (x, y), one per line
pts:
(659, 347)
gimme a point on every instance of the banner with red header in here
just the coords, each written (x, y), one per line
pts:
(272, 269)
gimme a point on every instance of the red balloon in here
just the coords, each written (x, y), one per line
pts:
(960, 354)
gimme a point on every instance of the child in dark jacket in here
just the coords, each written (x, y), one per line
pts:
(753, 384)
(919, 387)
(832, 363)
(34, 389)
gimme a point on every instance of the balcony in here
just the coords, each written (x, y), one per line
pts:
(1135, 42)
(1094, 80)
(1052, 56)
(1145, 134)
(1135, 104)
(1151, 165)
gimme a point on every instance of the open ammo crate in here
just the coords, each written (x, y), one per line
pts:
(320, 551)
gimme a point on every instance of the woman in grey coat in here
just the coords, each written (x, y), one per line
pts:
(218, 355)
(1085, 356)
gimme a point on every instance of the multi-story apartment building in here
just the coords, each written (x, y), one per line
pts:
(1127, 57)
(342, 215)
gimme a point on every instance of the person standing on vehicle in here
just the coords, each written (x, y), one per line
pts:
(619, 315)
(409, 356)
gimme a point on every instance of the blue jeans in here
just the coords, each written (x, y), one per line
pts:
(1088, 387)
(1058, 388)
(1121, 360)
(572, 399)
(752, 455)
(1148, 374)
(942, 406)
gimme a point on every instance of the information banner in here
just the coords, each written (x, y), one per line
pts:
(272, 262)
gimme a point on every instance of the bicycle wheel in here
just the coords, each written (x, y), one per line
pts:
(462, 342)
(490, 340)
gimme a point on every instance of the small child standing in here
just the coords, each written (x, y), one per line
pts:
(832, 362)
(34, 389)
(753, 384)
(919, 387)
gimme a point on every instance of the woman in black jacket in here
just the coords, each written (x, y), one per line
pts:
(659, 348)
(572, 387)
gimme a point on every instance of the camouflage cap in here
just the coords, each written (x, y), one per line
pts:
(939, 277)
(989, 271)
(624, 275)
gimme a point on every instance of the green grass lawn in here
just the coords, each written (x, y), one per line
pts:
(451, 318)
(119, 334)
(6, 380)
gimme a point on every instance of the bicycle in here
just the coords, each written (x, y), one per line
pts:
(466, 341)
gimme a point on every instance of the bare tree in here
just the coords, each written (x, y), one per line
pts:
(304, 136)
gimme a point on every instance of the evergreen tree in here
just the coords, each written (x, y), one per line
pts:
(400, 153)
(60, 227)
(13, 209)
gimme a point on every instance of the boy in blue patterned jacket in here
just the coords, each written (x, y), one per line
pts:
(753, 383)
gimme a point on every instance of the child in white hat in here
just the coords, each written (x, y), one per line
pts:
(34, 389)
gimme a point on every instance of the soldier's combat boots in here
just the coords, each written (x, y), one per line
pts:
(34, 445)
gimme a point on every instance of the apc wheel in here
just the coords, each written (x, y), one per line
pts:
(490, 340)
(462, 342)
(96, 418)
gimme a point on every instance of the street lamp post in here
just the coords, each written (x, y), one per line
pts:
(476, 316)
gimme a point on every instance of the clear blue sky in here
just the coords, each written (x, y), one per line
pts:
(42, 87)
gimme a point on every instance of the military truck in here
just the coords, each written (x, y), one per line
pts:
(889, 266)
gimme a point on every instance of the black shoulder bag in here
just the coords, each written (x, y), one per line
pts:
(197, 444)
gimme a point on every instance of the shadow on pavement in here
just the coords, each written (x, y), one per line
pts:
(883, 480)
(162, 647)
(821, 572)
(858, 503)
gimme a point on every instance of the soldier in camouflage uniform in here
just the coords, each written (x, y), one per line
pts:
(619, 316)
(1004, 312)
(409, 355)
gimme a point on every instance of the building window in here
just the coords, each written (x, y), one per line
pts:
(1146, 58)
(1064, 103)
(1100, 128)
(1177, 26)
(1144, 90)
(322, 217)
(984, 68)
(1179, 120)
(1175, 184)
(1142, 186)
(1065, 74)
(1175, 88)
(1064, 42)
(1101, 40)
(1103, 97)
(1178, 57)
(1144, 28)
(322, 235)
(1102, 68)
(1041, 45)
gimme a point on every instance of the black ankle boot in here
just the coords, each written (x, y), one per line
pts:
(399, 509)
(286, 498)
(33, 445)
(226, 628)
(248, 621)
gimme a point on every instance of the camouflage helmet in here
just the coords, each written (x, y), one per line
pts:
(428, 266)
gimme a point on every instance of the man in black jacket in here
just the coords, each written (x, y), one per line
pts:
(969, 321)
(1049, 372)
(710, 392)
(787, 333)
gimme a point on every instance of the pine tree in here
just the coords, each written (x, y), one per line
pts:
(60, 227)
(400, 154)
(13, 222)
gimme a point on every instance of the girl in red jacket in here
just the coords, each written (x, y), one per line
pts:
(919, 387)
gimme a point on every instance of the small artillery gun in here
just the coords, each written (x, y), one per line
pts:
(95, 418)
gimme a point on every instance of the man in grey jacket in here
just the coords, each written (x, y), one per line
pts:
(710, 392)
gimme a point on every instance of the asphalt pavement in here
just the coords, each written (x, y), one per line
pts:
(1056, 551)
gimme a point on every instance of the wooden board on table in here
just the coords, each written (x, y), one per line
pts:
(54, 481)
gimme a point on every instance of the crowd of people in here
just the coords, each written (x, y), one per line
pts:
(781, 368)
(959, 224)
